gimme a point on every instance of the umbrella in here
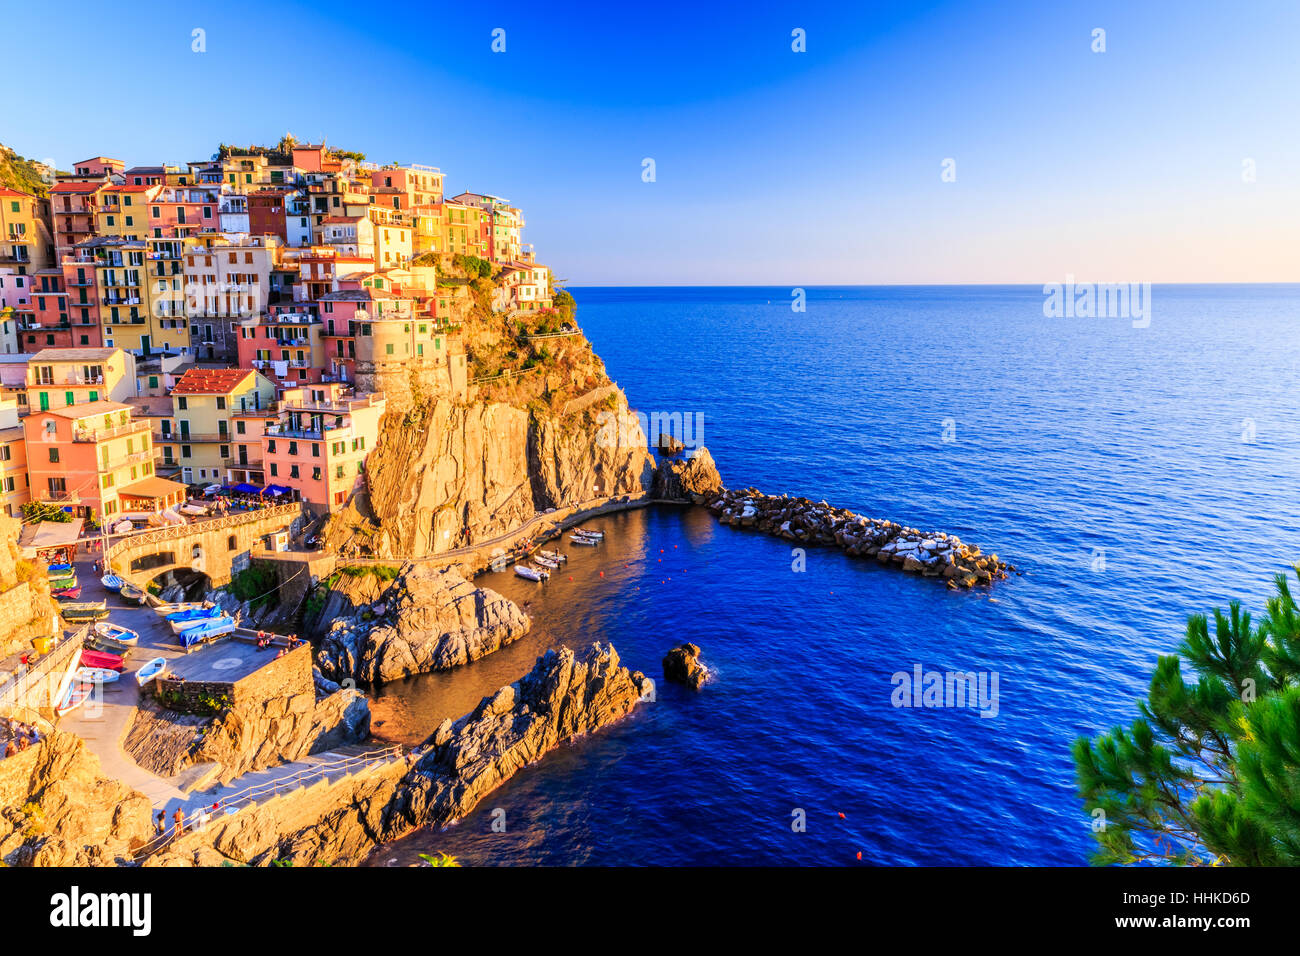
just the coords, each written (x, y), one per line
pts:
(276, 490)
(244, 488)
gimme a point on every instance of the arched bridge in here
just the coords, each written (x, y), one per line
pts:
(218, 547)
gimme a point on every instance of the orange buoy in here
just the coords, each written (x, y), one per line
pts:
(841, 816)
(602, 574)
(859, 854)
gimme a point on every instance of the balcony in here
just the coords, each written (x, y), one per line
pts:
(193, 438)
(255, 464)
(120, 300)
(103, 433)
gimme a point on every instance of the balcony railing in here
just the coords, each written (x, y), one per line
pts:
(103, 433)
(186, 438)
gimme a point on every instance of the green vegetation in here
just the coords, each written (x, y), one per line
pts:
(34, 511)
(18, 172)
(473, 266)
(204, 704)
(256, 584)
(351, 154)
(565, 306)
(1210, 771)
(440, 859)
(385, 572)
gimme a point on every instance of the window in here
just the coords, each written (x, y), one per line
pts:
(182, 403)
(221, 402)
(231, 545)
(54, 456)
(293, 471)
(315, 473)
(275, 470)
(186, 451)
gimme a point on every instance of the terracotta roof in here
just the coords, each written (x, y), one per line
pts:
(80, 187)
(210, 381)
(5, 191)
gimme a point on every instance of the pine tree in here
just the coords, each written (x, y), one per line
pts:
(1210, 771)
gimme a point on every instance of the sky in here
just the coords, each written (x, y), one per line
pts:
(1172, 156)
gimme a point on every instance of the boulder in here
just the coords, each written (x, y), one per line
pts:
(682, 665)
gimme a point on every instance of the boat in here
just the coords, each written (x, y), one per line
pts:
(154, 668)
(112, 582)
(123, 635)
(107, 645)
(531, 573)
(184, 620)
(546, 563)
(102, 659)
(63, 583)
(67, 594)
(87, 611)
(553, 556)
(206, 630)
(96, 675)
(165, 609)
(59, 570)
(579, 539)
(76, 695)
(598, 535)
(132, 593)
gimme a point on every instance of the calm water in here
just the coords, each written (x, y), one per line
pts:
(1110, 463)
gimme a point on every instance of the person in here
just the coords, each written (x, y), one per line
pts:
(11, 748)
(162, 822)
(23, 743)
(204, 817)
(179, 819)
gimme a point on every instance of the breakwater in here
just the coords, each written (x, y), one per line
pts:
(802, 520)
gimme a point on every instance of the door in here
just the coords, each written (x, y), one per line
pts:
(45, 401)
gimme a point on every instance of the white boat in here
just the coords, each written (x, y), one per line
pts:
(96, 675)
(193, 619)
(546, 562)
(553, 556)
(116, 632)
(579, 539)
(531, 573)
(598, 535)
(111, 582)
(76, 695)
(155, 668)
(165, 609)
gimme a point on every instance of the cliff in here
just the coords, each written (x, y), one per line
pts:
(566, 695)
(58, 809)
(529, 434)
(26, 608)
(428, 619)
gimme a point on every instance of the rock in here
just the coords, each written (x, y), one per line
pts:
(684, 479)
(682, 665)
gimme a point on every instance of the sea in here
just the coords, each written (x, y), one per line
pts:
(1134, 471)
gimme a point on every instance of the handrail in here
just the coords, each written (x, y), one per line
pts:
(252, 793)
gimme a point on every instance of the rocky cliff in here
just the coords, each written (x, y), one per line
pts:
(565, 695)
(428, 619)
(26, 608)
(58, 809)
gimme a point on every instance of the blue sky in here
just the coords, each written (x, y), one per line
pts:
(772, 167)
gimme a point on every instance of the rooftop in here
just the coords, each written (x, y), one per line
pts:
(73, 355)
(210, 381)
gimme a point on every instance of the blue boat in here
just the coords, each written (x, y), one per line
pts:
(111, 582)
(181, 620)
(201, 631)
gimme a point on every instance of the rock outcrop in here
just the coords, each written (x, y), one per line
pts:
(428, 619)
(564, 696)
(933, 554)
(58, 809)
(682, 666)
(26, 608)
(694, 478)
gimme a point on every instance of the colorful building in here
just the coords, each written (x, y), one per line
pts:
(26, 241)
(57, 378)
(201, 436)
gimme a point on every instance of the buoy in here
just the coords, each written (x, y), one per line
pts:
(859, 854)
(570, 577)
(602, 574)
(841, 816)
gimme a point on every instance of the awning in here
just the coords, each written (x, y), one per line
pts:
(153, 488)
(244, 488)
(276, 490)
(51, 534)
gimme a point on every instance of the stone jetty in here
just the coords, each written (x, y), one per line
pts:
(931, 554)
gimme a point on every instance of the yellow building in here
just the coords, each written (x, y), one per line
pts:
(57, 378)
(464, 229)
(123, 211)
(137, 309)
(200, 439)
(26, 239)
(14, 484)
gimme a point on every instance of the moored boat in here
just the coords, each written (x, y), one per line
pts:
(132, 593)
(107, 645)
(111, 582)
(586, 542)
(96, 675)
(67, 594)
(116, 632)
(546, 562)
(597, 535)
(531, 573)
(58, 570)
(553, 556)
(184, 620)
(85, 611)
(105, 660)
(166, 609)
(73, 697)
(155, 668)
(63, 583)
(200, 631)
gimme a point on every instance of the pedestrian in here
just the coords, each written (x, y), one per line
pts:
(162, 822)
(179, 819)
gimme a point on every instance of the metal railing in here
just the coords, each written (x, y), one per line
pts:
(19, 683)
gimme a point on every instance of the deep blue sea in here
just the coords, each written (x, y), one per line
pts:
(1136, 475)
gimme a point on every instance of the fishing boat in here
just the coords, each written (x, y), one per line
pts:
(63, 583)
(184, 620)
(580, 539)
(598, 535)
(87, 611)
(59, 570)
(547, 563)
(96, 675)
(553, 556)
(116, 632)
(102, 659)
(112, 582)
(67, 594)
(155, 668)
(107, 645)
(166, 609)
(201, 631)
(132, 593)
(531, 573)
(76, 695)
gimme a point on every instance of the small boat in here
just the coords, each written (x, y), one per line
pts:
(553, 556)
(87, 611)
(107, 645)
(579, 539)
(116, 632)
(531, 573)
(166, 609)
(546, 563)
(184, 620)
(598, 535)
(102, 659)
(112, 582)
(58, 570)
(96, 675)
(63, 583)
(76, 695)
(206, 630)
(154, 668)
(67, 594)
(132, 593)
